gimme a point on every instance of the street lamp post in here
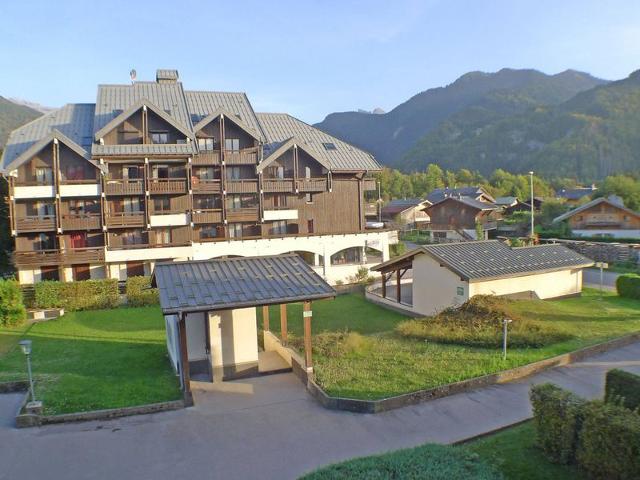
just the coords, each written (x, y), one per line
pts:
(531, 201)
(505, 322)
(25, 345)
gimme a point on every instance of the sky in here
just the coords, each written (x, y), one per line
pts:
(307, 58)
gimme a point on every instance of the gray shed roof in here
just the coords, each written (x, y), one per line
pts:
(280, 127)
(227, 283)
(492, 259)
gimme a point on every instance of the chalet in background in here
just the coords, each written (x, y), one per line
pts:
(155, 172)
(573, 196)
(406, 213)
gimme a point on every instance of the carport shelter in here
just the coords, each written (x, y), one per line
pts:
(210, 315)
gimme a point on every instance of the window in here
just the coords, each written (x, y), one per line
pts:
(310, 226)
(160, 171)
(204, 173)
(206, 144)
(235, 230)
(206, 202)
(45, 209)
(275, 172)
(75, 172)
(329, 146)
(232, 144)
(163, 236)
(278, 228)
(234, 173)
(44, 175)
(208, 231)
(307, 172)
(133, 237)
(131, 205)
(309, 198)
(45, 242)
(161, 204)
(82, 207)
(460, 291)
(129, 136)
(159, 137)
(131, 172)
(280, 200)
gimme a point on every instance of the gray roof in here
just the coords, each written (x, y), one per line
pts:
(440, 194)
(576, 193)
(227, 283)
(506, 201)
(469, 201)
(145, 149)
(74, 121)
(492, 259)
(281, 127)
(614, 202)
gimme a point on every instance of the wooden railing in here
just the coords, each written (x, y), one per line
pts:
(83, 181)
(35, 223)
(206, 185)
(124, 187)
(207, 216)
(284, 185)
(246, 156)
(71, 256)
(242, 186)
(312, 184)
(134, 219)
(167, 185)
(242, 214)
(207, 158)
(88, 221)
(32, 183)
(371, 208)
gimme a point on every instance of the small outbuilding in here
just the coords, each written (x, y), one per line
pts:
(447, 275)
(209, 308)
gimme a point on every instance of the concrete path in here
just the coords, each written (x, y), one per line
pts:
(269, 428)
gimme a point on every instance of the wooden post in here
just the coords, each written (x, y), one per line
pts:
(384, 285)
(184, 360)
(398, 289)
(283, 323)
(307, 314)
(265, 318)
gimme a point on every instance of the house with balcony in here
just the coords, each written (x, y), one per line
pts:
(406, 213)
(603, 217)
(460, 218)
(152, 171)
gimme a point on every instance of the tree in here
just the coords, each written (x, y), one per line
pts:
(624, 186)
(435, 177)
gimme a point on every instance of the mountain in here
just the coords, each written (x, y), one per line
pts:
(33, 105)
(12, 116)
(592, 135)
(487, 96)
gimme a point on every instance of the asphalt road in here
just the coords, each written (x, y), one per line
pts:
(591, 278)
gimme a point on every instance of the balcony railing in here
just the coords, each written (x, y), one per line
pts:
(206, 185)
(242, 186)
(124, 187)
(207, 216)
(81, 181)
(207, 158)
(35, 223)
(167, 185)
(312, 185)
(490, 225)
(371, 209)
(121, 219)
(246, 156)
(242, 214)
(87, 221)
(277, 185)
(71, 256)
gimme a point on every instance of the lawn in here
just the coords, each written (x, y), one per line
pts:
(385, 364)
(94, 359)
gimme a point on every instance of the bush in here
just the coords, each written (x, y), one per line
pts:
(425, 462)
(628, 285)
(557, 416)
(622, 387)
(397, 249)
(140, 293)
(362, 277)
(82, 295)
(12, 311)
(609, 446)
(332, 344)
(479, 323)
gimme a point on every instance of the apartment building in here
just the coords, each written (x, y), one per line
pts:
(154, 172)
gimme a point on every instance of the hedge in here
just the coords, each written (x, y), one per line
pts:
(140, 293)
(622, 387)
(12, 311)
(610, 442)
(628, 285)
(557, 416)
(82, 295)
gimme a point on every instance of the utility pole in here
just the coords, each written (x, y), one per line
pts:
(532, 202)
(379, 203)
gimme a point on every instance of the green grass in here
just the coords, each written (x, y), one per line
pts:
(514, 454)
(95, 359)
(387, 365)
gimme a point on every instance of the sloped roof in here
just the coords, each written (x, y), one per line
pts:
(596, 201)
(188, 148)
(222, 284)
(492, 259)
(575, 193)
(280, 127)
(400, 205)
(469, 201)
(74, 121)
(441, 193)
(506, 201)
(291, 143)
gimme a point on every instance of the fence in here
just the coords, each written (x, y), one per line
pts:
(603, 251)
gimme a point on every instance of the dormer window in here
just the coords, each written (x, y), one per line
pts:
(160, 137)
(329, 146)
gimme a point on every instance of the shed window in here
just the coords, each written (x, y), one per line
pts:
(460, 291)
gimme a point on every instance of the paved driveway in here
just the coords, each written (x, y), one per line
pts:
(269, 428)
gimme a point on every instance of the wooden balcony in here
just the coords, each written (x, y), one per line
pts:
(72, 256)
(307, 185)
(246, 156)
(242, 186)
(207, 158)
(242, 214)
(35, 223)
(125, 219)
(89, 221)
(370, 185)
(370, 209)
(207, 216)
(206, 185)
(168, 185)
(124, 187)
(277, 185)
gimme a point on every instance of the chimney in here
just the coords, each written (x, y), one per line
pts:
(166, 76)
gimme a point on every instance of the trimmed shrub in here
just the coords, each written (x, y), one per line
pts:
(479, 323)
(12, 311)
(557, 416)
(82, 295)
(140, 293)
(628, 285)
(609, 446)
(622, 387)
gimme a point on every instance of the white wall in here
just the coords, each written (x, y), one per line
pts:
(171, 327)
(545, 285)
(434, 287)
(196, 336)
(36, 191)
(608, 233)
(234, 338)
(81, 190)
